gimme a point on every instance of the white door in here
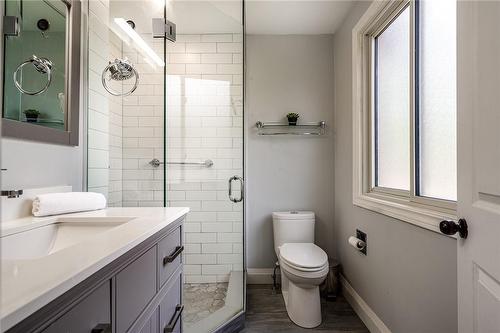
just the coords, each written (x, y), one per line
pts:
(479, 165)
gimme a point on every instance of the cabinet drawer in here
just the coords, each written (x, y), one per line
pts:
(151, 325)
(171, 308)
(135, 287)
(169, 255)
(92, 311)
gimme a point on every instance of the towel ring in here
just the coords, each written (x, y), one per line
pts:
(43, 66)
(120, 70)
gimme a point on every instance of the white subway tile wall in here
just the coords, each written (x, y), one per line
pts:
(204, 96)
(143, 122)
(105, 110)
(205, 121)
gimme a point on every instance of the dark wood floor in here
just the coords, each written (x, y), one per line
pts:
(266, 313)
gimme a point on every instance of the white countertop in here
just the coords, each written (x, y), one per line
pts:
(29, 284)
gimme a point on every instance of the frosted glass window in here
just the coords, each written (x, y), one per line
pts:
(392, 105)
(437, 100)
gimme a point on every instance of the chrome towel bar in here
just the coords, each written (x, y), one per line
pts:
(156, 163)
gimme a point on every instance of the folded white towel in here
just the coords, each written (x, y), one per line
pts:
(69, 202)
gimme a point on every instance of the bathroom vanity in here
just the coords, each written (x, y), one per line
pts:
(116, 270)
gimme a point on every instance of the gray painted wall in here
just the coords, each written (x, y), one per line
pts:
(31, 165)
(409, 277)
(288, 74)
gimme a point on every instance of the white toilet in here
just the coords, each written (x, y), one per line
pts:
(303, 265)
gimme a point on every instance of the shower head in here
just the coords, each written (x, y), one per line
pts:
(43, 24)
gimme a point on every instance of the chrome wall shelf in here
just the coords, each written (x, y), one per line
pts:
(276, 128)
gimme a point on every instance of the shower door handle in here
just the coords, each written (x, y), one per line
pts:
(230, 191)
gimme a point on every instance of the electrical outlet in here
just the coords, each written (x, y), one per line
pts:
(362, 236)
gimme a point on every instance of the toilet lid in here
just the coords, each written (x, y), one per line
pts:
(305, 255)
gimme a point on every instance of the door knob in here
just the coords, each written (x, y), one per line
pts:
(451, 228)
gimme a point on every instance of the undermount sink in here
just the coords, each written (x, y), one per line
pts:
(45, 240)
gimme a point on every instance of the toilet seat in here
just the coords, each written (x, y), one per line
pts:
(304, 257)
(302, 269)
(319, 273)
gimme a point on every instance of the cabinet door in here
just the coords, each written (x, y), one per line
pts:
(171, 308)
(151, 325)
(92, 311)
(135, 287)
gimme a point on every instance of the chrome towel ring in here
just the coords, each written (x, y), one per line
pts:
(120, 70)
(43, 66)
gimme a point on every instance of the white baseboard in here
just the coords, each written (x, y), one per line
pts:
(362, 309)
(260, 275)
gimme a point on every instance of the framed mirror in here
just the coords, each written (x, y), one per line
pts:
(41, 70)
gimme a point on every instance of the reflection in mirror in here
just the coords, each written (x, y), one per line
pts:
(35, 63)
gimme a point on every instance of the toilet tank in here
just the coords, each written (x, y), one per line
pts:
(293, 227)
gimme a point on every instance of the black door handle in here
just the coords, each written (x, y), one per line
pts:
(451, 228)
(173, 321)
(178, 250)
(102, 328)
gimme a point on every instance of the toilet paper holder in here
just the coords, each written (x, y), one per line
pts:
(358, 242)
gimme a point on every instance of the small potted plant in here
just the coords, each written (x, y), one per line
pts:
(31, 115)
(292, 118)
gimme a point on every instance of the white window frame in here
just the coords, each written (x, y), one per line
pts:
(402, 205)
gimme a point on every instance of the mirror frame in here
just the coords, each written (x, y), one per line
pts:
(22, 130)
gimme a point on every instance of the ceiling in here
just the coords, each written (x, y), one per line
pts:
(304, 17)
(283, 17)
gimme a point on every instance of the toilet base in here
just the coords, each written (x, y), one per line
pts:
(302, 304)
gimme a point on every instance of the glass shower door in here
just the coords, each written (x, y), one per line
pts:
(174, 137)
(204, 150)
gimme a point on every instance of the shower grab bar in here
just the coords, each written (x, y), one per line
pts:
(156, 163)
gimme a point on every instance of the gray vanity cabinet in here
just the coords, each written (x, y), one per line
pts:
(140, 292)
(91, 312)
(151, 325)
(135, 287)
(169, 249)
(171, 308)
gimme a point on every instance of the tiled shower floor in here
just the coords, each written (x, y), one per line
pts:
(202, 299)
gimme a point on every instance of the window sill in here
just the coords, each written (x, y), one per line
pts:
(423, 216)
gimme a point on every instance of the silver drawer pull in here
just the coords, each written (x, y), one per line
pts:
(178, 250)
(175, 318)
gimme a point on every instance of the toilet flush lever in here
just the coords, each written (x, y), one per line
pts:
(230, 190)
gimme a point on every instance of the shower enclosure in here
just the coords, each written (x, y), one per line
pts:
(165, 129)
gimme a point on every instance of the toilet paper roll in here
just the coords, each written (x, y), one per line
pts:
(357, 243)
